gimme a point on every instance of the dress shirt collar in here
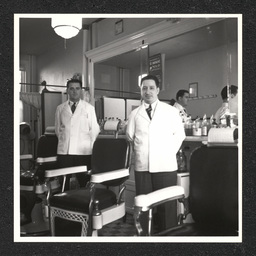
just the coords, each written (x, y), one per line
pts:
(153, 105)
(71, 103)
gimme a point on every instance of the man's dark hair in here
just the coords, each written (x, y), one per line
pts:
(150, 77)
(232, 89)
(181, 93)
(73, 80)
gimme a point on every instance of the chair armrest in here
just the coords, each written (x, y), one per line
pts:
(112, 175)
(158, 197)
(65, 171)
(42, 160)
(26, 157)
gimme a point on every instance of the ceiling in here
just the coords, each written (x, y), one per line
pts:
(37, 36)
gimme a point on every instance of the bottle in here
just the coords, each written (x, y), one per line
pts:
(101, 125)
(214, 124)
(181, 161)
(204, 126)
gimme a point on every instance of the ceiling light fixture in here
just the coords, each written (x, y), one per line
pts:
(66, 26)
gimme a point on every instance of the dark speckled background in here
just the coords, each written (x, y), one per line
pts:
(8, 8)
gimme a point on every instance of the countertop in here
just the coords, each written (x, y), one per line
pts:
(188, 138)
(196, 138)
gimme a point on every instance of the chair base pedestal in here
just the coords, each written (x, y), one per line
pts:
(39, 226)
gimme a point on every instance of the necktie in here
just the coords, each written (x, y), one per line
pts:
(149, 110)
(73, 107)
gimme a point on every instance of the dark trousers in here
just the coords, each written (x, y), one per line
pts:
(75, 160)
(166, 214)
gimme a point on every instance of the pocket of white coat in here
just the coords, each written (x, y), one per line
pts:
(84, 123)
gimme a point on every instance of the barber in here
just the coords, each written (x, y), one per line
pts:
(76, 128)
(156, 136)
(182, 97)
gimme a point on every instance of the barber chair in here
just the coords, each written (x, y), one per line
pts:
(27, 136)
(83, 211)
(33, 188)
(213, 197)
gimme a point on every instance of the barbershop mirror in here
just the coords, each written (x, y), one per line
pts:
(207, 56)
(115, 77)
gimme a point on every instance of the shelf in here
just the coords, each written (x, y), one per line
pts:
(211, 96)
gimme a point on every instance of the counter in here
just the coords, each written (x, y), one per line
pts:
(106, 136)
(196, 138)
(188, 138)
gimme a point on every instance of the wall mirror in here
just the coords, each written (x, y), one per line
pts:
(113, 77)
(201, 50)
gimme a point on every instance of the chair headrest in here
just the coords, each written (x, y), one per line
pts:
(24, 128)
(26, 132)
(50, 130)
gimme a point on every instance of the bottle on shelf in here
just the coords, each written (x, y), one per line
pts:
(204, 126)
(214, 124)
(101, 124)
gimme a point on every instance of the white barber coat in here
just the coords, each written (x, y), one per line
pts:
(182, 112)
(155, 141)
(76, 132)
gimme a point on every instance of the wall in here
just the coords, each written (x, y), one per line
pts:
(112, 78)
(29, 114)
(208, 68)
(59, 64)
(106, 77)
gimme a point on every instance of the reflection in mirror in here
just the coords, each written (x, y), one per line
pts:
(118, 76)
(207, 56)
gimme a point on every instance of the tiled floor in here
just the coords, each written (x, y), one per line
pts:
(119, 228)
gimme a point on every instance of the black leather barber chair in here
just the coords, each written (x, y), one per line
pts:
(213, 197)
(33, 188)
(27, 137)
(27, 164)
(83, 211)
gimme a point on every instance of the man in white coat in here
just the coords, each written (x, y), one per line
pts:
(76, 127)
(182, 97)
(156, 137)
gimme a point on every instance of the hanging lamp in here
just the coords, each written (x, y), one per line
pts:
(66, 26)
